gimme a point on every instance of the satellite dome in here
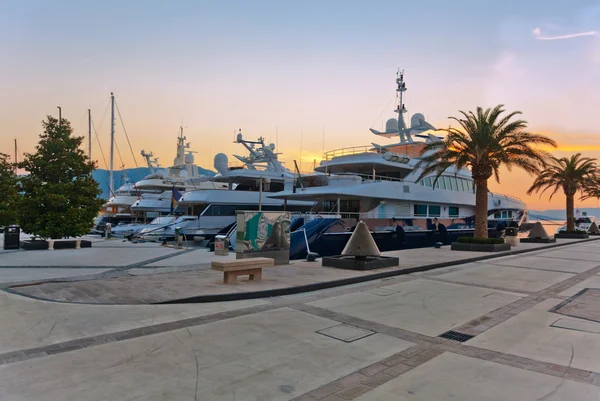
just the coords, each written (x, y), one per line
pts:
(189, 158)
(272, 146)
(221, 163)
(391, 124)
(239, 137)
(418, 122)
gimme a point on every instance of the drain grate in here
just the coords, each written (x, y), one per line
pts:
(456, 336)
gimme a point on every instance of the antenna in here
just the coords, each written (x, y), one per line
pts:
(16, 159)
(301, 138)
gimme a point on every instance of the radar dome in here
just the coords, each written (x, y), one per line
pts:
(391, 124)
(272, 146)
(189, 158)
(418, 122)
(239, 137)
(221, 163)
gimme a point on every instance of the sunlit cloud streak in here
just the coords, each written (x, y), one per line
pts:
(537, 32)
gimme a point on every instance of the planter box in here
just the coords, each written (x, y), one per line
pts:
(459, 246)
(34, 245)
(572, 236)
(539, 240)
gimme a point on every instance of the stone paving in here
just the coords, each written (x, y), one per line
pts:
(533, 339)
(149, 273)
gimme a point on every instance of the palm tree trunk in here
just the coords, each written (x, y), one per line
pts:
(481, 208)
(570, 213)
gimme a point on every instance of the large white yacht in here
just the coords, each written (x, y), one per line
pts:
(378, 184)
(261, 173)
(156, 188)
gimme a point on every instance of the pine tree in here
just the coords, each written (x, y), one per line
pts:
(60, 197)
(9, 192)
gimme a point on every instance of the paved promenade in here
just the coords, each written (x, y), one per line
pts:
(524, 327)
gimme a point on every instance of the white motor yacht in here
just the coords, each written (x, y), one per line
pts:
(261, 173)
(157, 187)
(379, 184)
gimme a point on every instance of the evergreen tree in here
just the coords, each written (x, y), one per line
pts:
(9, 192)
(60, 197)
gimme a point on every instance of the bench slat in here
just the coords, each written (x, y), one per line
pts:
(245, 263)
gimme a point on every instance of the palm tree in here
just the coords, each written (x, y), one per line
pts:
(571, 175)
(485, 142)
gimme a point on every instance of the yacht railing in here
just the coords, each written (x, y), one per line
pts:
(370, 177)
(507, 197)
(354, 150)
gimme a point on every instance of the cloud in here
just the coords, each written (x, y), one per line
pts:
(537, 33)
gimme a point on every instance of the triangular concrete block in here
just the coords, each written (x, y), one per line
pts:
(594, 228)
(538, 231)
(361, 243)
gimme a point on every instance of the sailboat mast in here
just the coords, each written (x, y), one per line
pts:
(90, 134)
(16, 160)
(111, 183)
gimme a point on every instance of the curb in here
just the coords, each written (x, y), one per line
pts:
(352, 280)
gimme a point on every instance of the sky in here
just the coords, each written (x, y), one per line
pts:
(306, 75)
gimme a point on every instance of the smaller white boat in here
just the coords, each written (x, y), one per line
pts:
(132, 229)
(582, 222)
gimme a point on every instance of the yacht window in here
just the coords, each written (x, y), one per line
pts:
(453, 184)
(497, 215)
(428, 182)
(422, 183)
(434, 211)
(461, 184)
(510, 214)
(447, 182)
(437, 183)
(420, 210)
(442, 182)
(453, 211)
(470, 185)
(504, 214)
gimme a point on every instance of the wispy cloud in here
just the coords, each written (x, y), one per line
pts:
(537, 32)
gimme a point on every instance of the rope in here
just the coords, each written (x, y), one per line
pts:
(126, 136)
(382, 111)
(99, 145)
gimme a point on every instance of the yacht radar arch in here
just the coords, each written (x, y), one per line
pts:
(261, 154)
(397, 126)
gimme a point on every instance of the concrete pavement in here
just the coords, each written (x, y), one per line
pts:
(530, 333)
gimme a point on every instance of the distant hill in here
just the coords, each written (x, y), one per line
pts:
(560, 214)
(133, 174)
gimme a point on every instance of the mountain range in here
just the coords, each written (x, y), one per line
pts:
(560, 214)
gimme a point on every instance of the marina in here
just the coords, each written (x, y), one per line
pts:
(300, 201)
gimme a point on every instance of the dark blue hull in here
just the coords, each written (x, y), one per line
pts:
(329, 244)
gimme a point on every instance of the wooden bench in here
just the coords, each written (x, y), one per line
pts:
(242, 267)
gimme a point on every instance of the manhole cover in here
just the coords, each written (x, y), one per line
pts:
(346, 333)
(584, 305)
(456, 336)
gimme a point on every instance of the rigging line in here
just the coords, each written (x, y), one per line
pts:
(119, 153)
(127, 136)
(103, 116)
(382, 111)
(99, 144)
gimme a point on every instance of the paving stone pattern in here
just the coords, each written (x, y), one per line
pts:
(586, 305)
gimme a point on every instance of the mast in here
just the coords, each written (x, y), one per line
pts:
(16, 160)
(111, 183)
(90, 134)
(400, 109)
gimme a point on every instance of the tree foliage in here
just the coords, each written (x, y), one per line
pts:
(572, 175)
(60, 197)
(485, 141)
(9, 193)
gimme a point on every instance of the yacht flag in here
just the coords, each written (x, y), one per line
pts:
(175, 196)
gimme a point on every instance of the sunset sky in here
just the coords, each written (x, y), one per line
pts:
(306, 74)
